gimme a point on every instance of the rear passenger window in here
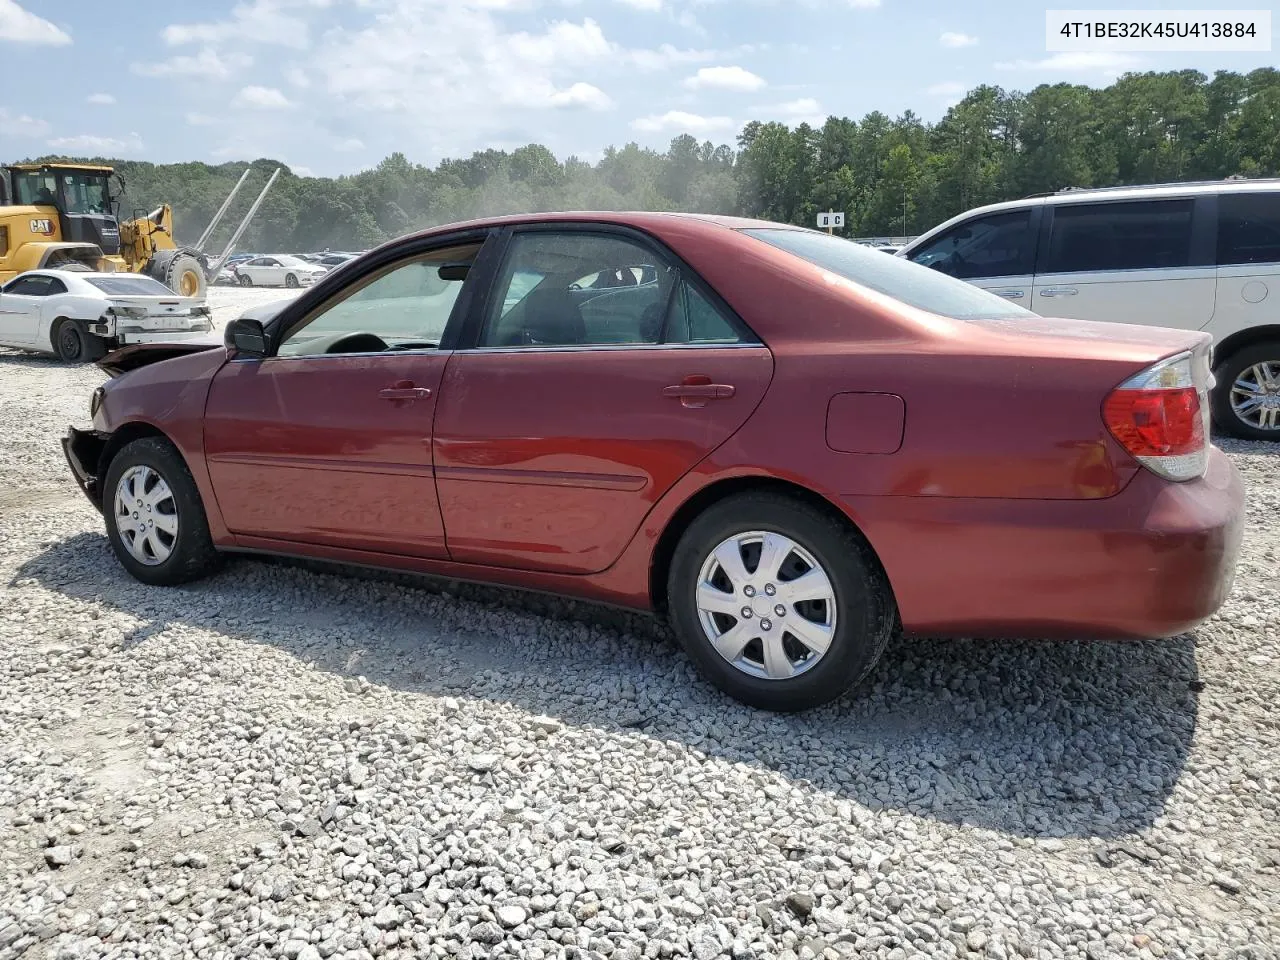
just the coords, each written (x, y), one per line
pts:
(1145, 235)
(694, 319)
(1248, 228)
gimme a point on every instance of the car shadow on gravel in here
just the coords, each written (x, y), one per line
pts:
(1042, 739)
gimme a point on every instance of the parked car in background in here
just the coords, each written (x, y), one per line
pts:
(788, 443)
(1197, 256)
(79, 315)
(331, 260)
(281, 270)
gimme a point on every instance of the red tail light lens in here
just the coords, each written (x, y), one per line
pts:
(1161, 416)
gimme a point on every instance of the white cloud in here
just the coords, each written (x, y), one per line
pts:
(957, 40)
(207, 64)
(1099, 61)
(948, 88)
(678, 121)
(864, 4)
(258, 21)
(582, 95)
(725, 78)
(653, 6)
(200, 120)
(349, 145)
(300, 171)
(416, 53)
(298, 77)
(87, 143)
(100, 99)
(21, 124)
(794, 112)
(23, 26)
(261, 98)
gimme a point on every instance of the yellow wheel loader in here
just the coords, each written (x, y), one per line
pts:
(63, 215)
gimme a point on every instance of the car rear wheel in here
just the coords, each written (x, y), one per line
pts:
(155, 520)
(780, 605)
(1246, 400)
(73, 344)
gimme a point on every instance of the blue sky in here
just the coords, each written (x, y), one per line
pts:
(332, 86)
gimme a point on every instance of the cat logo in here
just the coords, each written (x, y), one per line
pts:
(42, 226)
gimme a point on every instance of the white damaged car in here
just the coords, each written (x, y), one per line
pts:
(79, 316)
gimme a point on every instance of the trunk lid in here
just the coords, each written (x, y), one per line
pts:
(1090, 339)
(157, 306)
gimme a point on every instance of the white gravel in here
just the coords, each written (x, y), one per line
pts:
(284, 762)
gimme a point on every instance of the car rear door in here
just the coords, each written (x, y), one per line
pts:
(328, 441)
(995, 251)
(21, 304)
(1248, 258)
(567, 420)
(1127, 261)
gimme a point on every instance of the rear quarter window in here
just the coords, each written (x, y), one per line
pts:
(890, 275)
(1248, 228)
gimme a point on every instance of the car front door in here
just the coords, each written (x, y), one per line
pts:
(575, 410)
(328, 441)
(1131, 261)
(21, 304)
(995, 251)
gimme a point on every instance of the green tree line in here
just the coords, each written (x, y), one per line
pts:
(890, 176)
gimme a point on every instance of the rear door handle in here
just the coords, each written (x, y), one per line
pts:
(404, 390)
(1059, 292)
(704, 391)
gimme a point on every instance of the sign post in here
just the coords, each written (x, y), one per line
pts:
(831, 220)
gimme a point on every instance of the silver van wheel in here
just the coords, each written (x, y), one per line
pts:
(1255, 395)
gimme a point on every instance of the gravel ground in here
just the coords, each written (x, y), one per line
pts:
(284, 761)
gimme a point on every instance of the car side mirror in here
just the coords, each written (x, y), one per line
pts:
(247, 336)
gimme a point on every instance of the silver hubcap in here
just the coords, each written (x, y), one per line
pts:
(1255, 396)
(766, 605)
(146, 515)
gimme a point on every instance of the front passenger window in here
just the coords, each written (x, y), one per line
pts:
(405, 307)
(999, 245)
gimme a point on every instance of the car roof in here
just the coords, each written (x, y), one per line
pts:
(627, 218)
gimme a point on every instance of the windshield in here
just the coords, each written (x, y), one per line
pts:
(131, 286)
(80, 192)
(901, 279)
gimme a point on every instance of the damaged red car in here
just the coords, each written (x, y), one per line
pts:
(791, 445)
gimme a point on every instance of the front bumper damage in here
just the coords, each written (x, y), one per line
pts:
(83, 450)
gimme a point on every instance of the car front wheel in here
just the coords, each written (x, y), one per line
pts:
(779, 604)
(155, 520)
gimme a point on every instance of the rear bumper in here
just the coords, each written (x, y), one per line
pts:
(83, 450)
(1153, 561)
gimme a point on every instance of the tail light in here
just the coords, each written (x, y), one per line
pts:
(1161, 416)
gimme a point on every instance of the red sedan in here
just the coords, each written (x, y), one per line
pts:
(789, 444)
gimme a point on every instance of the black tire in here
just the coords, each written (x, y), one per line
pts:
(291, 281)
(193, 554)
(865, 610)
(245, 279)
(72, 343)
(185, 276)
(1226, 373)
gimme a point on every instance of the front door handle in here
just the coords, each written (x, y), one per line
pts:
(404, 390)
(1009, 293)
(1059, 292)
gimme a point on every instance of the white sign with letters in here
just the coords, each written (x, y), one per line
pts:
(830, 219)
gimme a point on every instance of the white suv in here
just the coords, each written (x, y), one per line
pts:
(1200, 256)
